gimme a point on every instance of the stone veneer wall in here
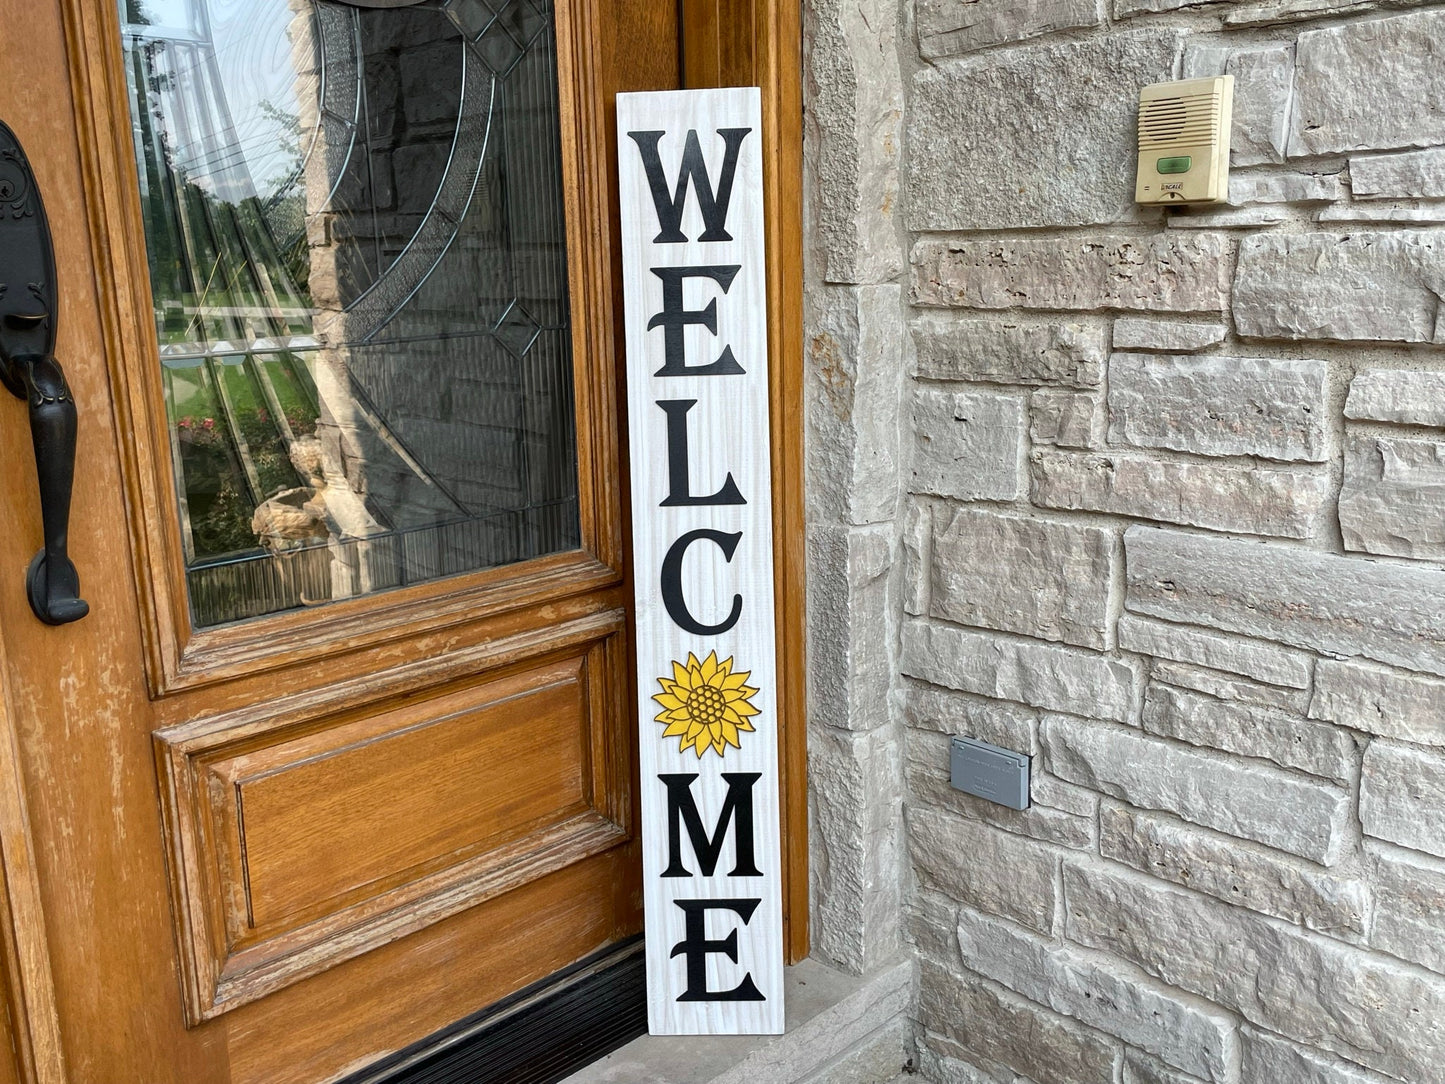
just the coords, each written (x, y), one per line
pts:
(1156, 497)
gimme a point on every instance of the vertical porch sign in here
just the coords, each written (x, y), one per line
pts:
(695, 304)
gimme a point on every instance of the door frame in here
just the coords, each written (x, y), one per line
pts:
(759, 43)
(724, 43)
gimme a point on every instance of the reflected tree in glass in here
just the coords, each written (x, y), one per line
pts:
(356, 245)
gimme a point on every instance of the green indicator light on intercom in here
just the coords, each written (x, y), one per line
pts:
(1174, 165)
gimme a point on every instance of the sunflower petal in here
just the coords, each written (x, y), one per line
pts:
(735, 681)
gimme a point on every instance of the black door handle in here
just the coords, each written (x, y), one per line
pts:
(29, 370)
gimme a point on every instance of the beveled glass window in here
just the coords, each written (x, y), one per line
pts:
(355, 232)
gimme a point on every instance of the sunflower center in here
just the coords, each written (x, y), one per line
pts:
(706, 705)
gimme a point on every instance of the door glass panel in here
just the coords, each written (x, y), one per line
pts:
(354, 225)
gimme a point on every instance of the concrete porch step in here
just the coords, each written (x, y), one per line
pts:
(841, 1029)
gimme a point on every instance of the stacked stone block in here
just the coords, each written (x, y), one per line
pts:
(854, 353)
(1171, 523)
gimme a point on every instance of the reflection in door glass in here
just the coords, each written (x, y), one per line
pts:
(355, 232)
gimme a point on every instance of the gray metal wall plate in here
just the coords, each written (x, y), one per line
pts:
(984, 770)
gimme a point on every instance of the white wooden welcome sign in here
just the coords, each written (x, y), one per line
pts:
(697, 389)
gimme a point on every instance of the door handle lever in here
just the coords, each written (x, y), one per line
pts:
(28, 369)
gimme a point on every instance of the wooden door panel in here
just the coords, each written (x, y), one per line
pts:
(340, 816)
(320, 1030)
(303, 833)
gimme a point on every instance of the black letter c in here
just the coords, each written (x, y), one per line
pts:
(672, 582)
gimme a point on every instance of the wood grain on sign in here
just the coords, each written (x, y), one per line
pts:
(695, 303)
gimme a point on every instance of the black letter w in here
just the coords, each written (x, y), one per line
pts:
(712, 203)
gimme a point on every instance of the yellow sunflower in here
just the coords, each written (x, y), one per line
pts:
(705, 704)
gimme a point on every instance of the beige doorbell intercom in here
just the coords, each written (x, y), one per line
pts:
(1184, 141)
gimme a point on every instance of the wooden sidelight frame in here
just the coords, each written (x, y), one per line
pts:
(760, 43)
(725, 42)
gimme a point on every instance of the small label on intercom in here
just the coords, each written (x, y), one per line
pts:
(984, 770)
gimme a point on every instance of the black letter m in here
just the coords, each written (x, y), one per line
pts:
(682, 810)
(713, 203)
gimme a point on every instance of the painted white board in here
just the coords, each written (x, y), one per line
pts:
(695, 298)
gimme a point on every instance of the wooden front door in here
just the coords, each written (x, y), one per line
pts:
(344, 749)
